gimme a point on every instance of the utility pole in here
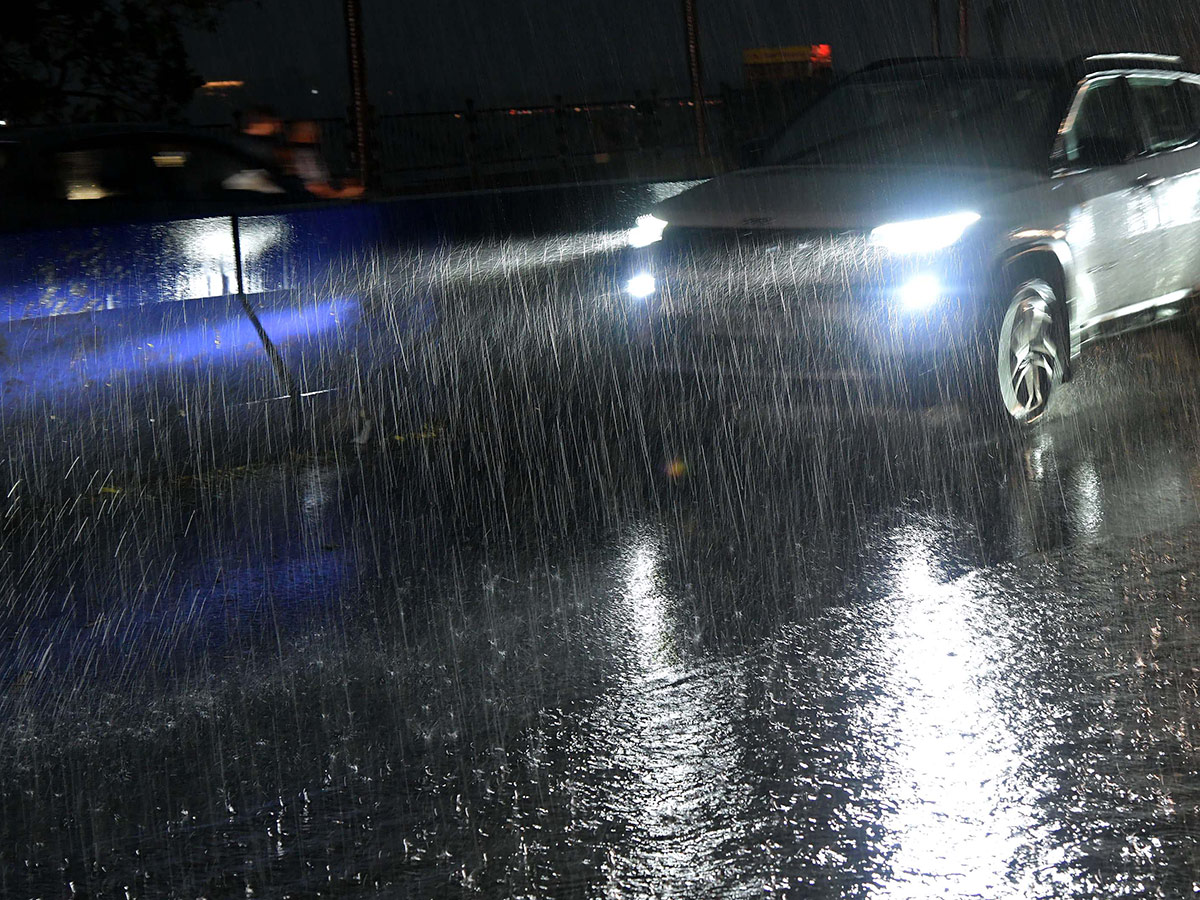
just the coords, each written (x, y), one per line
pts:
(964, 30)
(693, 54)
(359, 108)
(935, 26)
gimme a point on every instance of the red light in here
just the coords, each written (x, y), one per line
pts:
(822, 51)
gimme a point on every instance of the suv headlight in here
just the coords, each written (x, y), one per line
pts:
(647, 231)
(923, 235)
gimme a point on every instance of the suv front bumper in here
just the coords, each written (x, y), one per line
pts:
(821, 307)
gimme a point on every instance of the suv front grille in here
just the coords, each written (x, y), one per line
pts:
(733, 239)
(719, 261)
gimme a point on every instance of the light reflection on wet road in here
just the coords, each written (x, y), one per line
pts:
(804, 660)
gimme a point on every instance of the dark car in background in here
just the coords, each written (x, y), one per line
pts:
(94, 173)
(168, 300)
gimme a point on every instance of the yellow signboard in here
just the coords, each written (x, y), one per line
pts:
(769, 56)
(777, 65)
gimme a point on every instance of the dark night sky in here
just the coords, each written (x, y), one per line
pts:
(430, 54)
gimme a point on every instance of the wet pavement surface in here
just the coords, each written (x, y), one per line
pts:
(612, 643)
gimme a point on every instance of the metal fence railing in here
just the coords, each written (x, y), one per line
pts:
(482, 145)
(646, 136)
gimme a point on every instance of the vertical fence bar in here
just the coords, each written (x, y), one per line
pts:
(359, 109)
(471, 142)
(561, 147)
(964, 29)
(692, 37)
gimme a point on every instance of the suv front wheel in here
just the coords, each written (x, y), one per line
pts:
(1030, 358)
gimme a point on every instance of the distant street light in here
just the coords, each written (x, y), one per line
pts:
(692, 37)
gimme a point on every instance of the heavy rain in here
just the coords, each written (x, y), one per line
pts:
(701, 505)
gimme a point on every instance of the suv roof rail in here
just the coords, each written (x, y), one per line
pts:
(996, 63)
(890, 61)
(1099, 61)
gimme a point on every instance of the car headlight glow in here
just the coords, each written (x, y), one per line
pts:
(920, 292)
(641, 285)
(923, 235)
(647, 231)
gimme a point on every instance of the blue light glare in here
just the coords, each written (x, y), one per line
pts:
(641, 285)
(193, 336)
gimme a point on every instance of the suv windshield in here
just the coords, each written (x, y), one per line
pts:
(927, 116)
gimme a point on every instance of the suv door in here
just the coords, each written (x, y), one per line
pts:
(1171, 169)
(1113, 228)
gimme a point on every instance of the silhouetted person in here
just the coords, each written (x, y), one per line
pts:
(306, 163)
(262, 136)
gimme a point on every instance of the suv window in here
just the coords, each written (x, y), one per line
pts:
(1189, 91)
(1164, 106)
(1104, 126)
(926, 115)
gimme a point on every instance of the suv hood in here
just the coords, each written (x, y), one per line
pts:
(849, 197)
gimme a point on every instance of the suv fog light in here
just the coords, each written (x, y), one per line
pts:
(641, 285)
(920, 292)
(647, 231)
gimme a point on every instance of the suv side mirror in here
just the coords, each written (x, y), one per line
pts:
(1095, 152)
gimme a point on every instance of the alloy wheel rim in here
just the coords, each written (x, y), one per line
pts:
(1029, 368)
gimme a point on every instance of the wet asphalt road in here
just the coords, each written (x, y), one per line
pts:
(610, 645)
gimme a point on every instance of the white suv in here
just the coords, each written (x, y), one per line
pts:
(932, 217)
